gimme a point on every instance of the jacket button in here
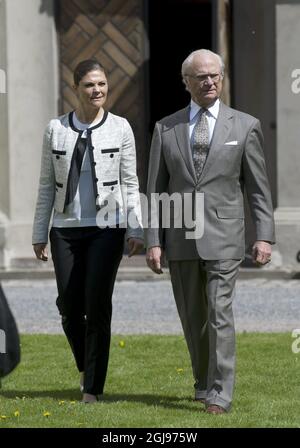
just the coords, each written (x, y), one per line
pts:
(57, 157)
(96, 180)
(111, 155)
(112, 188)
(97, 195)
(94, 163)
(98, 207)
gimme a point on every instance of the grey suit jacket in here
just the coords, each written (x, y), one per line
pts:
(229, 169)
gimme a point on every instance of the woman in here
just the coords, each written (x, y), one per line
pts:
(88, 176)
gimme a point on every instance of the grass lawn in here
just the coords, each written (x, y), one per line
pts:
(150, 385)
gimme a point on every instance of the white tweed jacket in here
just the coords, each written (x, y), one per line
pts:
(113, 166)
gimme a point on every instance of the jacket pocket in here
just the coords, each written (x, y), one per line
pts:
(230, 212)
(60, 153)
(58, 185)
(110, 150)
(110, 183)
(110, 191)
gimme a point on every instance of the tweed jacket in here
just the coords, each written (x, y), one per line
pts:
(111, 147)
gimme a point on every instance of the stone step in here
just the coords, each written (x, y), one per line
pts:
(140, 273)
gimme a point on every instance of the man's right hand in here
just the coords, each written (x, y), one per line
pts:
(41, 251)
(153, 258)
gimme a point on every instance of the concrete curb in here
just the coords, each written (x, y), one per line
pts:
(138, 273)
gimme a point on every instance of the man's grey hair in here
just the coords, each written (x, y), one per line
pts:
(189, 60)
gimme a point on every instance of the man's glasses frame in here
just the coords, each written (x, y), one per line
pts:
(202, 79)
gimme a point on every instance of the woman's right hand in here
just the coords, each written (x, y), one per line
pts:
(41, 251)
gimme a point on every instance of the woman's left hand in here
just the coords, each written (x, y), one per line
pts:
(135, 246)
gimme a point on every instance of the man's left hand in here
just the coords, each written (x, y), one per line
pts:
(261, 252)
(135, 246)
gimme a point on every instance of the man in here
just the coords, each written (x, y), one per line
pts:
(211, 149)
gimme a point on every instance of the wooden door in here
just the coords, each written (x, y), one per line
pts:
(113, 32)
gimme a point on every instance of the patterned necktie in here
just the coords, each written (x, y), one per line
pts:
(200, 142)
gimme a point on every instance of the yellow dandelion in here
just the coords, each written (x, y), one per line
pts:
(72, 402)
(61, 402)
(46, 414)
(17, 413)
(122, 344)
(3, 417)
(179, 370)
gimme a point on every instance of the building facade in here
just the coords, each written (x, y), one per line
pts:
(141, 44)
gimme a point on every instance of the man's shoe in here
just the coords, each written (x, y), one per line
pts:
(215, 409)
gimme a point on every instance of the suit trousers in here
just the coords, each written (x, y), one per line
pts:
(203, 293)
(86, 260)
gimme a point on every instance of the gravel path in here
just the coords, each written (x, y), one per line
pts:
(149, 307)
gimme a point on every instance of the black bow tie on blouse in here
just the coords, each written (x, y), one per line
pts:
(75, 169)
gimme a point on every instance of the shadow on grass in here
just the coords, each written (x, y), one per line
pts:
(64, 394)
(168, 402)
(164, 401)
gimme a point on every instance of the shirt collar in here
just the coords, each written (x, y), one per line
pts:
(213, 110)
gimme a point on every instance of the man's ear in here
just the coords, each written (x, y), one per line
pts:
(186, 84)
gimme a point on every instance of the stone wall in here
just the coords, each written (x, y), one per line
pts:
(28, 57)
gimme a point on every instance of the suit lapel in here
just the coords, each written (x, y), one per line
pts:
(221, 131)
(182, 132)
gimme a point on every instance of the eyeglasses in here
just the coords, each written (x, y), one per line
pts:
(214, 77)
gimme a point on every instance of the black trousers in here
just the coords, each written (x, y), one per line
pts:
(86, 260)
